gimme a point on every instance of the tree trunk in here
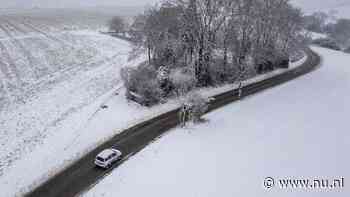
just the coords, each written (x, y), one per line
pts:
(149, 54)
(199, 62)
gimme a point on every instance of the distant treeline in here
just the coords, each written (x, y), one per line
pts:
(336, 30)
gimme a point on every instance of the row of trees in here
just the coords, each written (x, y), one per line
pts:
(317, 22)
(218, 41)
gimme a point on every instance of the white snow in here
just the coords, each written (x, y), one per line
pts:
(78, 125)
(52, 84)
(79, 129)
(50, 120)
(296, 130)
(315, 35)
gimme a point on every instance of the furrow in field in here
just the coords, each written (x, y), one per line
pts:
(5, 95)
(38, 46)
(9, 68)
(28, 58)
(38, 67)
(84, 94)
(4, 65)
(51, 37)
(48, 50)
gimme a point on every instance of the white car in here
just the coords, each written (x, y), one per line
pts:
(106, 158)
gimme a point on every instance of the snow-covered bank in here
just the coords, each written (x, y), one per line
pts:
(296, 130)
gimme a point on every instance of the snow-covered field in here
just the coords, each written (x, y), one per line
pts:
(297, 130)
(54, 75)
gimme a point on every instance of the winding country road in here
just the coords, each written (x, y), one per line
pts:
(82, 174)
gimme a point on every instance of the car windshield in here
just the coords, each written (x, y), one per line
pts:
(100, 159)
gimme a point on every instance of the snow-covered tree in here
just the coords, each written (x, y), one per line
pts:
(316, 22)
(219, 40)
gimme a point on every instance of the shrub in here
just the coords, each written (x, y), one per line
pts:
(117, 24)
(150, 91)
(221, 72)
(296, 56)
(327, 43)
(183, 81)
(198, 106)
(141, 84)
(249, 68)
(163, 78)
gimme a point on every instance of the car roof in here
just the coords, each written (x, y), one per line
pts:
(106, 153)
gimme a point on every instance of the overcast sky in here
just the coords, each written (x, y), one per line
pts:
(318, 5)
(72, 3)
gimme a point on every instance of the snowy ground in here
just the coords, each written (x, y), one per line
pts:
(45, 77)
(84, 129)
(54, 76)
(297, 130)
(63, 120)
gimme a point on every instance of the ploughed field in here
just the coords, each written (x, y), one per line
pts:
(36, 51)
(53, 63)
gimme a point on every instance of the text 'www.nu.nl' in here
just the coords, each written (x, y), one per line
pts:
(337, 183)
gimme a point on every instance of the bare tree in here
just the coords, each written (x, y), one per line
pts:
(202, 20)
(220, 40)
(316, 22)
(136, 30)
